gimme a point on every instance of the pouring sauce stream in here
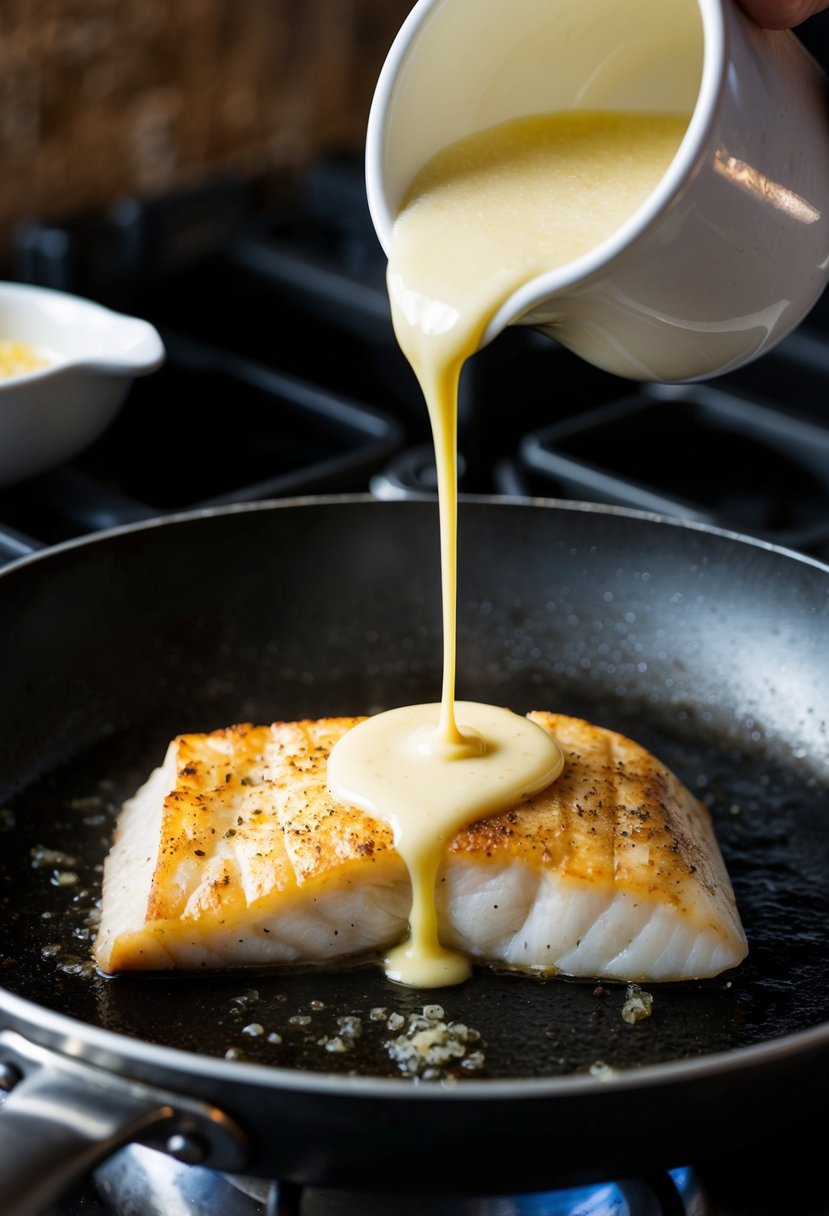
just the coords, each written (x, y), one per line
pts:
(485, 216)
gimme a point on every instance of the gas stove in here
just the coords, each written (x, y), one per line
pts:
(272, 306)
(276, 312)
(147, 1184)
(141, 1182)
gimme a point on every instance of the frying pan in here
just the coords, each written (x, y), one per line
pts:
(707, 647)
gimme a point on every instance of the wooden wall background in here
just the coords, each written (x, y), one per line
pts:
(104, 98)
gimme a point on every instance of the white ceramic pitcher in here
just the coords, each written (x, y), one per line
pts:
(731, 250)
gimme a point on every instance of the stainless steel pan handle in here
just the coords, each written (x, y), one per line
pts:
(63, 1117)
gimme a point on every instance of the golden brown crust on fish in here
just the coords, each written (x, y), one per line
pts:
(235, 852)
(251, 815)
(615, 814)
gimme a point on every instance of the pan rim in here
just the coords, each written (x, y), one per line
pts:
(93, 1044)
(569, 506)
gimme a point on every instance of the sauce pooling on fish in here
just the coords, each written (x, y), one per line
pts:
(485, 216)
(234, 853)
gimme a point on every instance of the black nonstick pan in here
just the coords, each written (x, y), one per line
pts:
(709, 648)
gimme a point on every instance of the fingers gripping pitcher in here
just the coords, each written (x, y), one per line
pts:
(646, 182)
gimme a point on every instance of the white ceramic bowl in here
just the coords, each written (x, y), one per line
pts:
(92, 355)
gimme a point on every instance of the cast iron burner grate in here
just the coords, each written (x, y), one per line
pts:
(141, 1182)
(776, 1178)
(274, 312)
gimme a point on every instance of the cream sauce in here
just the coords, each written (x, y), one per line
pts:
(485, 216)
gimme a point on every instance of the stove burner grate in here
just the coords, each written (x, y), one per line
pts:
(143, 1182)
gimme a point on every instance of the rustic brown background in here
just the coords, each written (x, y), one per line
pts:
(102, 98)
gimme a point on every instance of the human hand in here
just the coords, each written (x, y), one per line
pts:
(782, 14)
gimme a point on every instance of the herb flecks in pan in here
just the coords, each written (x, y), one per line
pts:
(425, 1045)
(776, 850)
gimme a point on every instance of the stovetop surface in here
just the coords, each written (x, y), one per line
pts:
(770, 1182)
(279, 313)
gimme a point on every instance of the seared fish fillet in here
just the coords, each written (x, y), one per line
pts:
(234, 853)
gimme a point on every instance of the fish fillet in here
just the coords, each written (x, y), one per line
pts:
(234, 853)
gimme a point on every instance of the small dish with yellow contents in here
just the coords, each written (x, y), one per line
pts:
(66, 364)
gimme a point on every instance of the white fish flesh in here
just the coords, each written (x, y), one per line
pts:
(235, 854)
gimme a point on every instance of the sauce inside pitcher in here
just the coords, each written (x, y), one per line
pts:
(504, 206)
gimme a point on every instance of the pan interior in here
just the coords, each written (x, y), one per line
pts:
(766, 792)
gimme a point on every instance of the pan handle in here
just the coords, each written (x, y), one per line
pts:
(61, 1118)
